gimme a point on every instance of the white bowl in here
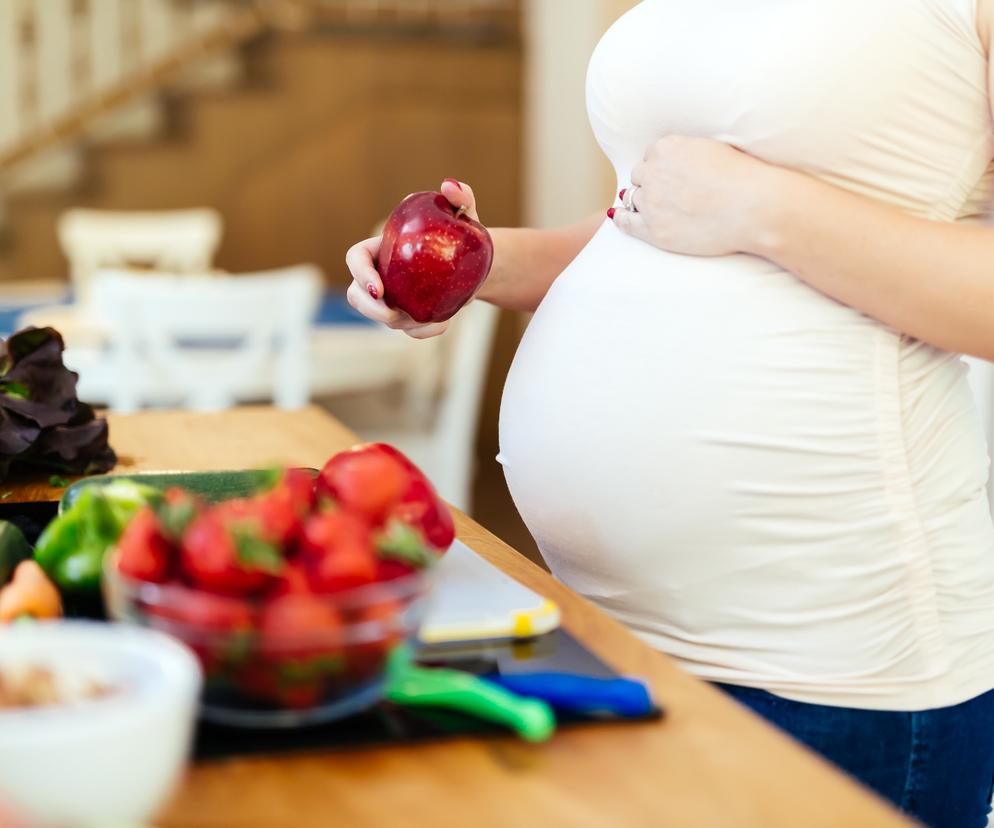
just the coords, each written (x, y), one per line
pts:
(108, 760)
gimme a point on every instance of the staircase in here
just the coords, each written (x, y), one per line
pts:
(302, 121)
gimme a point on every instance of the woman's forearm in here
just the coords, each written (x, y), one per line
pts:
(527, 261)
(930, 280)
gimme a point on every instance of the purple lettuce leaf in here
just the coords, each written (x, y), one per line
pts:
(78, 447)
(42, 423)
(16, 433)
(34, 382)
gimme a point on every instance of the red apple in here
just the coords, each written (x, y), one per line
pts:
(432, 258)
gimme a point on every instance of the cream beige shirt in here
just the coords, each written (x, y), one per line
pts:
(768, 485)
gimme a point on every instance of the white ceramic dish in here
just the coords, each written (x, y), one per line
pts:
(110, 760)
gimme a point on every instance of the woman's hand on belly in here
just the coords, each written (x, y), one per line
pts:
(694, 196)
(930, 280)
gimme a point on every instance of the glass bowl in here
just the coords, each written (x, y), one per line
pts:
(279, 678)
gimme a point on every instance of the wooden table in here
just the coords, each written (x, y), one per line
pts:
(708, 763)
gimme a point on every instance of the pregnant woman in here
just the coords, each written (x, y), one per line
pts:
(738, 421)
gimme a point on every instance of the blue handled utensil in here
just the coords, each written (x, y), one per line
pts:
(585, 695)
(555, 668)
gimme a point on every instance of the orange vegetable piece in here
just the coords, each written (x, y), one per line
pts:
(29, 593)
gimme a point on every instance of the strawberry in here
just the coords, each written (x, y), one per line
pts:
(381, 484)
(207, 612)
(223, 551)
(301, 638)
(365, 481)
(281, 510)
(277, 521)
(301, 695)
(268, 516)
(383, 625)
(389, 569)
(238, 508)
(422, 509)
(301, 625)
(337, 550)
(292, 581)
(342, 571)
(297, 486)
(143, 552)
(218, 628)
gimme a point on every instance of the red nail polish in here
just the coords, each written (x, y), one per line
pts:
(621, 195)
(373, 291)
(453, 181)
(610, 213)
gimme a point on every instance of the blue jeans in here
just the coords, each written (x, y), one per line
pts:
(935, 765)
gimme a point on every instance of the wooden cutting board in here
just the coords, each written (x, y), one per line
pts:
(33, 489)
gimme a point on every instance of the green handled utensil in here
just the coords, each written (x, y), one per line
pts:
(410, 685)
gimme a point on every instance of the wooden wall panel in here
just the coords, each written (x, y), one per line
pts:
(415, 117)
(305, 158)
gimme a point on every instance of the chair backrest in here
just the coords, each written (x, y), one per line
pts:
(175, 241)
(205, 342)
(467, 348)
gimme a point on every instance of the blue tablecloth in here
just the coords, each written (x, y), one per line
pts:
(334, 310)
(9, 315)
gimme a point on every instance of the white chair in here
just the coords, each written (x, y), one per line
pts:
(436, 422)
(174, 241)
(205, 342)
(981, 378)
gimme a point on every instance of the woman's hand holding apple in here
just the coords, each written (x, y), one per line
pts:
(367, 292)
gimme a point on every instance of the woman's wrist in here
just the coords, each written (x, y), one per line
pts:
(768, 215)
(490, 289)
(522, 270)
(528, 260)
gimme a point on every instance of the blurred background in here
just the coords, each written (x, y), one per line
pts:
(180, 180)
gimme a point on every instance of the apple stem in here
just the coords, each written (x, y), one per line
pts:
(462, 209)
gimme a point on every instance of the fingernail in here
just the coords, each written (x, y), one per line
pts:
(621, 195)
(610, 213)
(373, 291)
(453, 181)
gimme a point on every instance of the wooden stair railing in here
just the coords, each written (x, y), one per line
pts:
(243, 22)
(48, 115)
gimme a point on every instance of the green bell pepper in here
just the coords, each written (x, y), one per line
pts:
(55, 541)
(125, 497)
(80, 571)
(71, 549)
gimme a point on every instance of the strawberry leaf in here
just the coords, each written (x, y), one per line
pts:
(325, 503)
(256, 553)
(175, 517)
(269, 479)
(237, 649)
(404, 543)
(309, 669)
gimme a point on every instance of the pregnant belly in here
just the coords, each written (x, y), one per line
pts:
(709, 447)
